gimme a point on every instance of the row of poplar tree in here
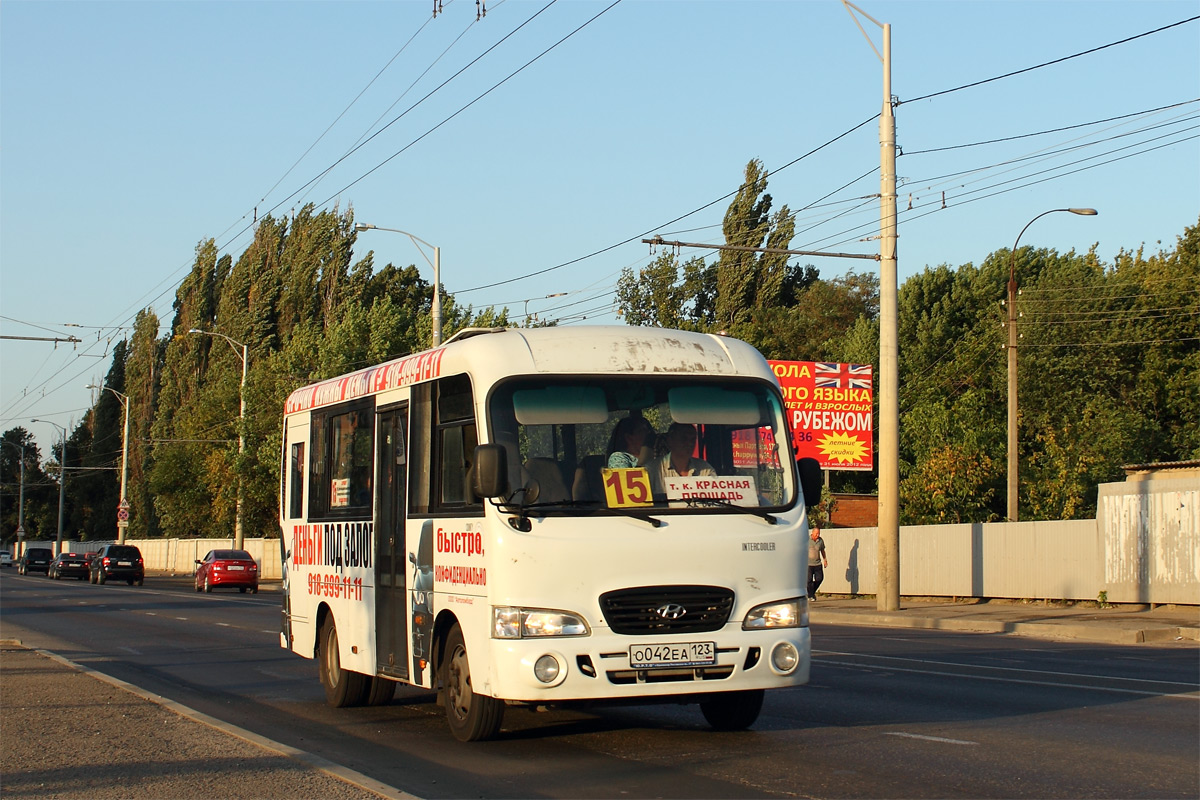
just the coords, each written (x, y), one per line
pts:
(1108, 370)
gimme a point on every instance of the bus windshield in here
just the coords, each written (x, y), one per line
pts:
(670, 443)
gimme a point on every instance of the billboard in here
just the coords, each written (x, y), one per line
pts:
(829, 411)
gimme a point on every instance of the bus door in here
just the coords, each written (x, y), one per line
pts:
(391, 621)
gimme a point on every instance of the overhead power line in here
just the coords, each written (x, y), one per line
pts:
(1050, 63)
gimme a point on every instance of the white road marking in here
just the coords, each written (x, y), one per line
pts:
(927, 738)
(1191, 695)
(1002, 669)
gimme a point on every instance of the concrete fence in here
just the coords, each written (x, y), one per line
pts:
(179, 556)
(1144, 547)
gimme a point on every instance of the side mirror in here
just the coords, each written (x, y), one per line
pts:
(198, 561)
(811, 480)
(490, 471)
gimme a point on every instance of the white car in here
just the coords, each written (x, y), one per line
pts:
(6, 559)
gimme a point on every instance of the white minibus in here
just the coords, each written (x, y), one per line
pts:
(548, 517)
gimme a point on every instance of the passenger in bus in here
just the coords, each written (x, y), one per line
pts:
(678, 461)
(631, 443)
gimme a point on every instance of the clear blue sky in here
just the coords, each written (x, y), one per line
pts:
(131, 131)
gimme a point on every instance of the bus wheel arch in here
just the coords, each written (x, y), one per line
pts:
(343, 687)
(472, 717)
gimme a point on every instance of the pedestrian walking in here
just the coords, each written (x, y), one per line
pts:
(816, 562)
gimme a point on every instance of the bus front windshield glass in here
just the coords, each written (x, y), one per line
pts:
(664, 443)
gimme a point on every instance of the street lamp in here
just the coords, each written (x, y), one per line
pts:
(437, 273)
(20, 498)
(122, 524)
(1012, 356)
(244, 354)
(62, 481)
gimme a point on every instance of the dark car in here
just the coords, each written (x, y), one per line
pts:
(35, 559)
(69, 565)
(227, 568)
(122, 562)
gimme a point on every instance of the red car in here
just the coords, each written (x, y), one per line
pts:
(227, 568)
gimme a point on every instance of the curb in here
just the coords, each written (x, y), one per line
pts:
(311, 760)
(1037, 630)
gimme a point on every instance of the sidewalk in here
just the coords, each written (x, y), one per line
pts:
(1124, 624)
(68, 732)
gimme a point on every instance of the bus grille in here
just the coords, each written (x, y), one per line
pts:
(656, 610)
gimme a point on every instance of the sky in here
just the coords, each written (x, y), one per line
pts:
(537, 144)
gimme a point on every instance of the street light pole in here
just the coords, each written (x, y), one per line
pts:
(20, 498)
(244, 354)
(62, 482)
(1012, 357)
(437, 273)
(122, 524)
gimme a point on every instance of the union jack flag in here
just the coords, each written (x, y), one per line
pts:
(842, 376)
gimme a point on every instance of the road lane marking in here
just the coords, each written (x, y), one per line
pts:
(1190, 686)
(941, 739)
(1192, 695)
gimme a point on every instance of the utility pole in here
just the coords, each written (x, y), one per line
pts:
(887, 593)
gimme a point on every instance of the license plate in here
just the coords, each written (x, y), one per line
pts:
(684, 654)
(236, 569)
(124, 563)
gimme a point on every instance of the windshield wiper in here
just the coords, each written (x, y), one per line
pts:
(695, 502)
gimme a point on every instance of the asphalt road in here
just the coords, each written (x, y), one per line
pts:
(888, 713)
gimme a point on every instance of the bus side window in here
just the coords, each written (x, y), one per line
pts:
(296, 481)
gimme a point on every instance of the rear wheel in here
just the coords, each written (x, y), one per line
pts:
(472, 717)
(101, 578)
(242, 589)
(732, 711)
(254, 590)
(342, 687)
(207, 585)
(380, 692)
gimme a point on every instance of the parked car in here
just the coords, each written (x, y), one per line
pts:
(69, 565)
(118, 562)
(35, 559)
(227, 568)
(6, 559)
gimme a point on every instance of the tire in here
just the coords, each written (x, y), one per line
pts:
(472, 717)
(207, 585)
(343, 688)
(732, 711)
(140, 581)
(91, 577)
(198, 587)
(380, 692)
(254, 590)
(130, 581)
(242, 589)
(101, 578)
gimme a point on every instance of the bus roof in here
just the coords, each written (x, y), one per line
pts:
(490, 355)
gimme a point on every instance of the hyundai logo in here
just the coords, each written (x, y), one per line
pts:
(670, 611)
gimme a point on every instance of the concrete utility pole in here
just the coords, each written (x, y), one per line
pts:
(244, 354)
(1012, 358)
(62, 482)
(887, 595)
(437, 273)
(122, 524)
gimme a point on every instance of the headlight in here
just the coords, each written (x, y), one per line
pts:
(509, 622)
(784, 614)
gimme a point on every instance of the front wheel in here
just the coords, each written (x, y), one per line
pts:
(732, 711)
(343, 688)
(472, 717)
